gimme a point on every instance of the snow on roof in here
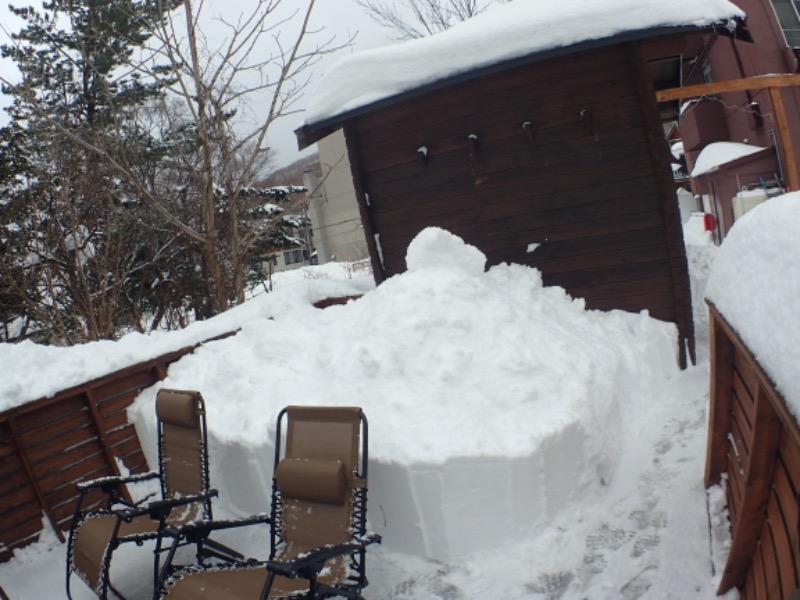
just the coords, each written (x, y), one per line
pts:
(504, 33)
(755, 286)
(713, 156)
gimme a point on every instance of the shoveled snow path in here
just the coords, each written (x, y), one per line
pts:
(643, 538)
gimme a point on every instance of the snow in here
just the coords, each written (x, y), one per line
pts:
(32, 371)
(520, 445)
(755, 286)
(503, 33)
(716, 154)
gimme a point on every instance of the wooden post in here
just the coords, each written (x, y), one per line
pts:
(773, 83)
(792, 182)
(100, 428)
(659, 155)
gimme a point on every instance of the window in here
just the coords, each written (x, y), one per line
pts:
(292, 257)
(788, 12)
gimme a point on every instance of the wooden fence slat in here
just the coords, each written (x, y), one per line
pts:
(744, 399)
(746, 371)
(37, 489)
(758, 480)
(722, 354)
(785, 555)
(771, 571)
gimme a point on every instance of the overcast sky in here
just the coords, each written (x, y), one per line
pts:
(341, 17)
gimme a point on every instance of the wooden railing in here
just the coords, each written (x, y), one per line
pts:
(50, 444)
(754, 448)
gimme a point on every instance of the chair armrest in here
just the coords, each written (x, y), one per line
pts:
(159, 509)
(199, 529)
(113, 482)
(308, 564)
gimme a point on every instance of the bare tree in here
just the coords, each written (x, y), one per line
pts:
(206, 137)
(410, 19)
(233, 90)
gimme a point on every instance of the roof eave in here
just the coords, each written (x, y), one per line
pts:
(310, 133)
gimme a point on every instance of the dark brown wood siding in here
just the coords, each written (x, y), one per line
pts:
(588, 179)
(754, 451)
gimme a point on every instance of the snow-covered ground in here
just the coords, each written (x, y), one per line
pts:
(522, 447)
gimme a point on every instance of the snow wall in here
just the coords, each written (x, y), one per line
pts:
(492, 400)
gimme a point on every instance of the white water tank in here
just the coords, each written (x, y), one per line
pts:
(747, 200)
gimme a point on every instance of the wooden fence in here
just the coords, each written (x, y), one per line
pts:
(754, 446)
(50, 444)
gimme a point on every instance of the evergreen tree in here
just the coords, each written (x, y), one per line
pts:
(76, 231)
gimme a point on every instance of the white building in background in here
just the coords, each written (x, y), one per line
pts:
(335, 220)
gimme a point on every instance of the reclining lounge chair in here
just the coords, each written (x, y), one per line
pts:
(318, 517)
(185, 496)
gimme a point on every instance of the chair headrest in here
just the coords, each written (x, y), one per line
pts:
(177, 407)
(323, 481)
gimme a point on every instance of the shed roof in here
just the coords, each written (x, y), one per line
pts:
(508, 35)
(717, 154)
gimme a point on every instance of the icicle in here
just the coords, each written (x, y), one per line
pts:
(379, 249)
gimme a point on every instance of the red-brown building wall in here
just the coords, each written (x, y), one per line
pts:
(746, 117)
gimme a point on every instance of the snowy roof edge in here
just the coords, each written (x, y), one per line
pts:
(310, 133)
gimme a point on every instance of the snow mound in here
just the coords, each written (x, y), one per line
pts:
(754, 284)
(482, 389)
(435, 247)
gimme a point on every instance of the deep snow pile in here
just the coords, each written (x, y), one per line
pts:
(521, 446)
(432, 354)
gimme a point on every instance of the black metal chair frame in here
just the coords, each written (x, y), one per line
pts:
(119, 505)
(310, 564)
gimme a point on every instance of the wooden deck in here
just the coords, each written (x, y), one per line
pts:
(754, 448)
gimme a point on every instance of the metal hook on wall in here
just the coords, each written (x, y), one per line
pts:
(586, 117)
(422, 155)
(472, 139)
(527, 128)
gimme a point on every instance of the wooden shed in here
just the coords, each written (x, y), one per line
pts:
(555, 158)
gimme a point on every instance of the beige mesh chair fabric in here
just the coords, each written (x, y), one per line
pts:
(183, 474)
(319, 504)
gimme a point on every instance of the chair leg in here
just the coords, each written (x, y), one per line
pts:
(114, 591)
(267, 586)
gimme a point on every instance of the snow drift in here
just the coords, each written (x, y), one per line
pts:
(491, 398)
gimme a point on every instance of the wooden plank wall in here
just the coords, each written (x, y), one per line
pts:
(49, 445)
(583, 179)
(754, 448)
